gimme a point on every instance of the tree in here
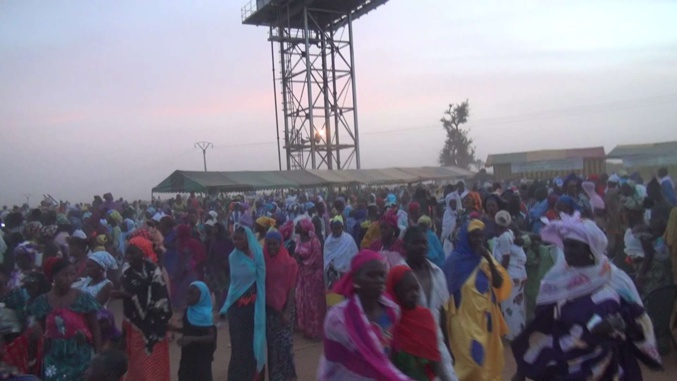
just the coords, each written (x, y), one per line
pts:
(458, 147)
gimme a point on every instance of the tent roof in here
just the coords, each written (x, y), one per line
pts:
(542, 155)
(243, 181)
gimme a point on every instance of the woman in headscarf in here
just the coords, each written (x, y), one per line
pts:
(513, 258)
(281, 278)
(414, 214)
(95, 283)
(590, 322)
(475, 325)
(358, 332)
(573, 187)
(262, 226)
(492, 205)
(646, 253)
(339, 250)
(198, 342)
(567, 205)
(389, 245)
(71, 329)
(472, 207)
(551, 214)
(190, 267)
(449, 220)
(435, 250)
(217, 270)
(414, 351)
(24, 263)
(310, 300)
(246, 307)
(146, 313)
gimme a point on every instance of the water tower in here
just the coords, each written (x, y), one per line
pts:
(314, 43)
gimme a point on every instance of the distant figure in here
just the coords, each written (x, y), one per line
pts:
(667, 186)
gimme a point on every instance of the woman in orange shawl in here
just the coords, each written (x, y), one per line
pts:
(415, 350)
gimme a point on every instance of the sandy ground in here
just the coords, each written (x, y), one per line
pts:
(307, 356)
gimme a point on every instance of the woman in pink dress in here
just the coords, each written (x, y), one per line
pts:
(310, 299)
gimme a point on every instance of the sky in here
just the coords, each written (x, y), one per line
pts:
(110, 96)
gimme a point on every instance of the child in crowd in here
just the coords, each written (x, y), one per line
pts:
(198, 342)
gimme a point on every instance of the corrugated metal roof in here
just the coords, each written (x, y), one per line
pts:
(635, 150)
(542, 155)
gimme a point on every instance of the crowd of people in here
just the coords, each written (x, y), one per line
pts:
(420, 282)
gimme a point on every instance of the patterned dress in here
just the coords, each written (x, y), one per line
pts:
(311, 303)
(68, 340)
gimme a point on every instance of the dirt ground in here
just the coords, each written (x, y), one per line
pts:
(307, 355)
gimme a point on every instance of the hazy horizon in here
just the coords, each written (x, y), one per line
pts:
(103, 97)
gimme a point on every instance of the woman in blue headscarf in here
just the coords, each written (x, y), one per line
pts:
(246, 307)
(198, 342)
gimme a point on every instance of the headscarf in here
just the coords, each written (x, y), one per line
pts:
(104, 259)
(281, 273)
(246, 271)
(266, 222)
(416, 333)
(287, 230)
(338, 252)
(101, 241)
(146, 247)
(463, 260)
(564, 282)
(568, 200)
(414, 207)
(307, 226)
(62, 220)
(201, 313)
(116, 216)
(346, 286)
(26, 248)
(389, 218)
(595, 200)
(246, 218)
(477, 201)
(336, 220)
(450, 215)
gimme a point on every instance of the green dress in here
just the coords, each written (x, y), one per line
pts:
(68, 343)
(539, 261)
(416, 368)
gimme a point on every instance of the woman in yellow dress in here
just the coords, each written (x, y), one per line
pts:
(477, 284)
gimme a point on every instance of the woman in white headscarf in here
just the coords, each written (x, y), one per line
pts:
(590, 322)
(339, 250)
(452, 203)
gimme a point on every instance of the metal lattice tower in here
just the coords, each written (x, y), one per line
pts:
(314, 40)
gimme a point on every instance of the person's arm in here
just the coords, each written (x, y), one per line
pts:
(204, 339)
(104, 295)
(93, 324)
(496, 278)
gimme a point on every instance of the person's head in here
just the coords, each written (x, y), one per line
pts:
(460, 187)
(93, 270)
(654, 190)
(240, 240)
(273, 243)
(134, 256)
(662, 172)
(492, 204)
(320, 208)
(337, 227)
(503, 220)
(613, 181)
(416, 244)
(541, 193)
(339, 204)
(194, 295)
(496, 187)
(35, 284)
(403, 285)
(572, 186)
(476, 235)
(63, 275)
(108, 197)
(369, 278)
(565, 204)
(110, 365)
(577, 253)
(25, 254)
(305, 227)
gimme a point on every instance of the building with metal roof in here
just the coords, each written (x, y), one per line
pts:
(547, 164)
(646, 158)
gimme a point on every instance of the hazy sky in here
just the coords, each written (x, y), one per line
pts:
(99, 96)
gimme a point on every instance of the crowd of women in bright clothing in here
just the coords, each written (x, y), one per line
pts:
(411, 283)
